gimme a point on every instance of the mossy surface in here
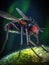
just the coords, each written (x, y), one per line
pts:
(27, 57)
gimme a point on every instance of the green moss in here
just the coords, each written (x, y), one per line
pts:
(27, 57)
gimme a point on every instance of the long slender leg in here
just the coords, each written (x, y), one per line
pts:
(13, 25)
(42, 46)
(21, 42)
(31, 41)
(21, 35)
(35, 52)
(33, 45)
(37, 38)
(27, 37)
(6, 38)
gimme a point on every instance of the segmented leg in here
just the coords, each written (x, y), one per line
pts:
(28, 43)
(6, 38)
(7, 26)
(35, 52)
(42, 46)
(37, 38)
(21, 42)
(13, 25)
(32, 42)
(27, 37)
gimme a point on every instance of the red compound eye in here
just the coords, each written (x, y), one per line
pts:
(34, 28)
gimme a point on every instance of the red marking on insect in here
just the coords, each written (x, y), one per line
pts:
(34, 28)
(23, 22)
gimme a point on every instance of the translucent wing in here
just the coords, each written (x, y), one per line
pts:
(21, 13)
(8, 16)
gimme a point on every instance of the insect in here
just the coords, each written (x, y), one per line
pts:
(25, 26)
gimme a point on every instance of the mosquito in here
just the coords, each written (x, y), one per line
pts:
(25, 26)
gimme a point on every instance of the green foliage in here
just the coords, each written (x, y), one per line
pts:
(27, 57)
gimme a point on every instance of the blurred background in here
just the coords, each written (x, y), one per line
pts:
(36, 9)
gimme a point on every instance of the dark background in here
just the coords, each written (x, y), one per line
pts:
(39, 11)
